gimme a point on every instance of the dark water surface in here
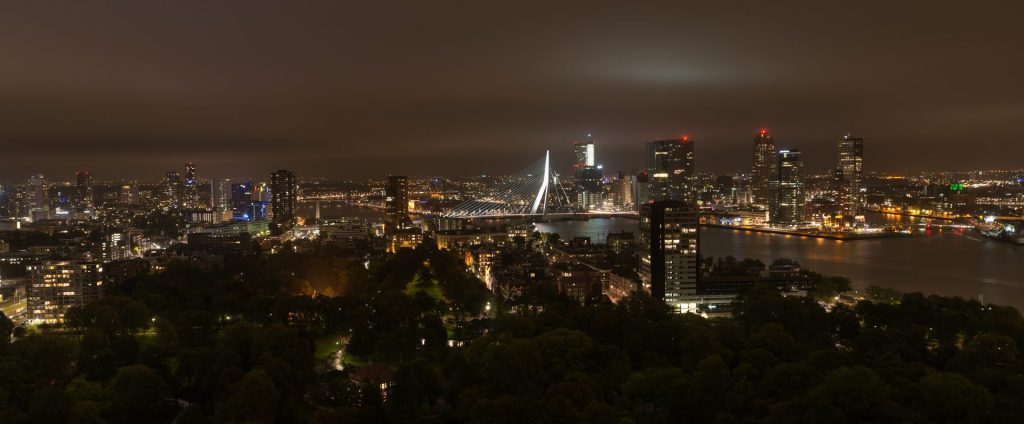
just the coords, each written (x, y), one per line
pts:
(945, 262)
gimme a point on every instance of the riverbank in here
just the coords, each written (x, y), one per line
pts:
(940, 218)
(810, 234)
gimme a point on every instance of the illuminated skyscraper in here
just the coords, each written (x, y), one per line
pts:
(669, 250)
(223, 202)
(172, 189)
(83, 190)
(851, 162)
(37, 196)
(589, 193)
(765, 167)
(190, 187)
(129, 193)
(786, 204)
(584, 152)
(670, 169)
(641, 189)
(242, 198)
(622, 191)
(396, 202)
(283, 191)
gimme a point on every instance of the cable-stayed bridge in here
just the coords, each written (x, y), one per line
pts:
(535, 190)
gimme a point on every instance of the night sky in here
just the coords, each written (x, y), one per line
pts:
(428, 87)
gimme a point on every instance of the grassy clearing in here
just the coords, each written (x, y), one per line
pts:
(327, 345)
(431, 288)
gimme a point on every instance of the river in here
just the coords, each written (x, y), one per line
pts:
(943, 262)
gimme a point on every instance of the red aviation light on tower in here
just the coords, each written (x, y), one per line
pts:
(685, 138)
(764, 131)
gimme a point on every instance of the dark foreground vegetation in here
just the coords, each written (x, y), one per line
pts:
(245, 343)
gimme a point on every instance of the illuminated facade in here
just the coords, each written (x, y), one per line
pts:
(622, 191)
(669, 250)
(584, 153)
(851, 162)
(670, 169)
(786, 204)
(36, 197)
(765, 167)
(224, 194)
(404, 238)
(190, 187)
(129, 194)
(343, 232)
(56, 286)
(589, 193)
(83, 190)
(283, 191)
(241, 200)
(172, 195)
(396, 202)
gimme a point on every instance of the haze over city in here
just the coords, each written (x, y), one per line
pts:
(426, 88)
(481, 212)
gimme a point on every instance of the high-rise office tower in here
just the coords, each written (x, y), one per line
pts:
(851, 162)
(669, 250)
(283, 191)
(190, 187)
(83, 190)
(172, 189)
(670, 169)
(584, 152)
(786, 202)
(765, 167)
(841, 188)
(223, 195)
(622, 191)
(37, 197)
(37, 194)
(589, 193)
(242, 200)
(396, 202)
(5, 201)
(56, 286)
(129, 193)
(641, 189)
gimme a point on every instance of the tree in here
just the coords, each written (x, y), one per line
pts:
(884, 295)
(6, 329)
(826, 288)
(50, 405)
(785, 262)
(952, 398)
(987, 351)
(136, 394)
(252, 400)
(857, 392)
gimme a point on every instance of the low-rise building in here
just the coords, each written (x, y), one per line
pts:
(581, 282)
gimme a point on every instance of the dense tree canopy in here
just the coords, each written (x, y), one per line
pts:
(259, 340)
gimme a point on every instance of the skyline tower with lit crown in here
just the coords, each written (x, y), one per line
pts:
(851, 162)
(765, 167)
(786, 205)
(670, 169)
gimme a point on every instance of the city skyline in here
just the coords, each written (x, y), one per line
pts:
(659, 211)
(328, 90)
(562, 163)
